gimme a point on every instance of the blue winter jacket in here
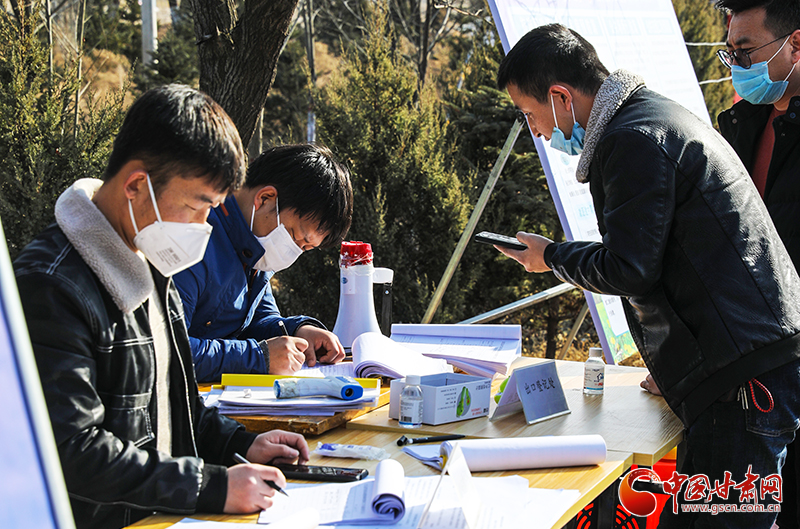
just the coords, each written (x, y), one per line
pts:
(228, 305)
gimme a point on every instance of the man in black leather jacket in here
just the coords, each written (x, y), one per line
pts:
(709, 292)
(108, 332)
(766, 136)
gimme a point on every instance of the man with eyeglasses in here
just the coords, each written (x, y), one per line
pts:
(763, 49)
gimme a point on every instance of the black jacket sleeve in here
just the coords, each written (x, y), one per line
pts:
(66, 327)
(637, 180)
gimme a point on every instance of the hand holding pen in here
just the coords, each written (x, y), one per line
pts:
(251, 487)
(240, 459)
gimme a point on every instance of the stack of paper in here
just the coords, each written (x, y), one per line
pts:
(477, 349)
(506, 502)
(241, 400)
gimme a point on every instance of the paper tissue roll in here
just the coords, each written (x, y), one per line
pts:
(530, 452)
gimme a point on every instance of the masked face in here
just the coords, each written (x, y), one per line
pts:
(280, 250)
(754, 85)
(572, 146)
(170, 246)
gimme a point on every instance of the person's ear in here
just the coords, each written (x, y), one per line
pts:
(265, 195)
(794, 42)
(135, 183)
(562, 95)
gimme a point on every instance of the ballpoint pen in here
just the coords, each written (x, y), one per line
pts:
(239, 459)
(435, 439)
(283, 328)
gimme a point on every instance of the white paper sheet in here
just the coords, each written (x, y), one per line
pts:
(303, 519)
(507, 502)
(377, 501)
(514, 453)
(517, 453)
(342, 369)
(477, 349)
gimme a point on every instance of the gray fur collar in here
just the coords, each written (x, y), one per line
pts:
(613, 93)
(124, 273)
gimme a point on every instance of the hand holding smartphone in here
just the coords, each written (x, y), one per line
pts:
(497, 239)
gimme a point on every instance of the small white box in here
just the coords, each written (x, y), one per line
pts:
(444, 396)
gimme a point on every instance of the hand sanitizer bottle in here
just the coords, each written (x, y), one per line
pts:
(411, 403)
(594, 372)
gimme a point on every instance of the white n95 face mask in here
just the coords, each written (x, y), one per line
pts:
(280, 250)
(170, 246)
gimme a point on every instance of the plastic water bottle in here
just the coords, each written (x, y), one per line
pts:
(411, 403)
(594, 372)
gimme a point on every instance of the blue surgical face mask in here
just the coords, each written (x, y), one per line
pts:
(572, 146)
(754, 84)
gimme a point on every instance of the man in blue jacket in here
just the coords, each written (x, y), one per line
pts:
(295, 198)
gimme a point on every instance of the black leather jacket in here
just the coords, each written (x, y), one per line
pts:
(742, 126)
(710, 294)
(97, 369)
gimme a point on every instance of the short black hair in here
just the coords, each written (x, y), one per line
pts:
(177, 130)
(310, 181)
(782, 17)
(548, 55)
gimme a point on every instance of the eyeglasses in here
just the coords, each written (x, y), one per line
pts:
(521, 116)
(742, 57)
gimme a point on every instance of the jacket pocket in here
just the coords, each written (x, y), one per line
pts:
(671, 350)
(785, 415)
(128, 417)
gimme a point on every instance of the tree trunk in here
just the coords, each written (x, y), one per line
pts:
(311, 123)
(423, 46)
(238, 57)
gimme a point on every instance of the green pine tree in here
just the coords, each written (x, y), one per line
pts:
(409, 201)
(114, 26)
(175, 60)
(286, 109)
(481, 117)
(40, 152)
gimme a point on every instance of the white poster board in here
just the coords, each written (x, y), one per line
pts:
(642, 36)
(32, 490)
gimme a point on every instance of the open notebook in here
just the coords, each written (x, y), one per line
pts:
(399, 501)
(375, 355)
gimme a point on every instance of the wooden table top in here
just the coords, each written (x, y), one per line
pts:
(589, 480)
(629, 418)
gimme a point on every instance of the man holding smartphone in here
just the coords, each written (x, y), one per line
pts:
(709, 291)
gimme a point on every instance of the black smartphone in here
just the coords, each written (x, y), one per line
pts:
(318, 473)
(505, 241)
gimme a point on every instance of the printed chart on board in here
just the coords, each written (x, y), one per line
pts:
(642, 36)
